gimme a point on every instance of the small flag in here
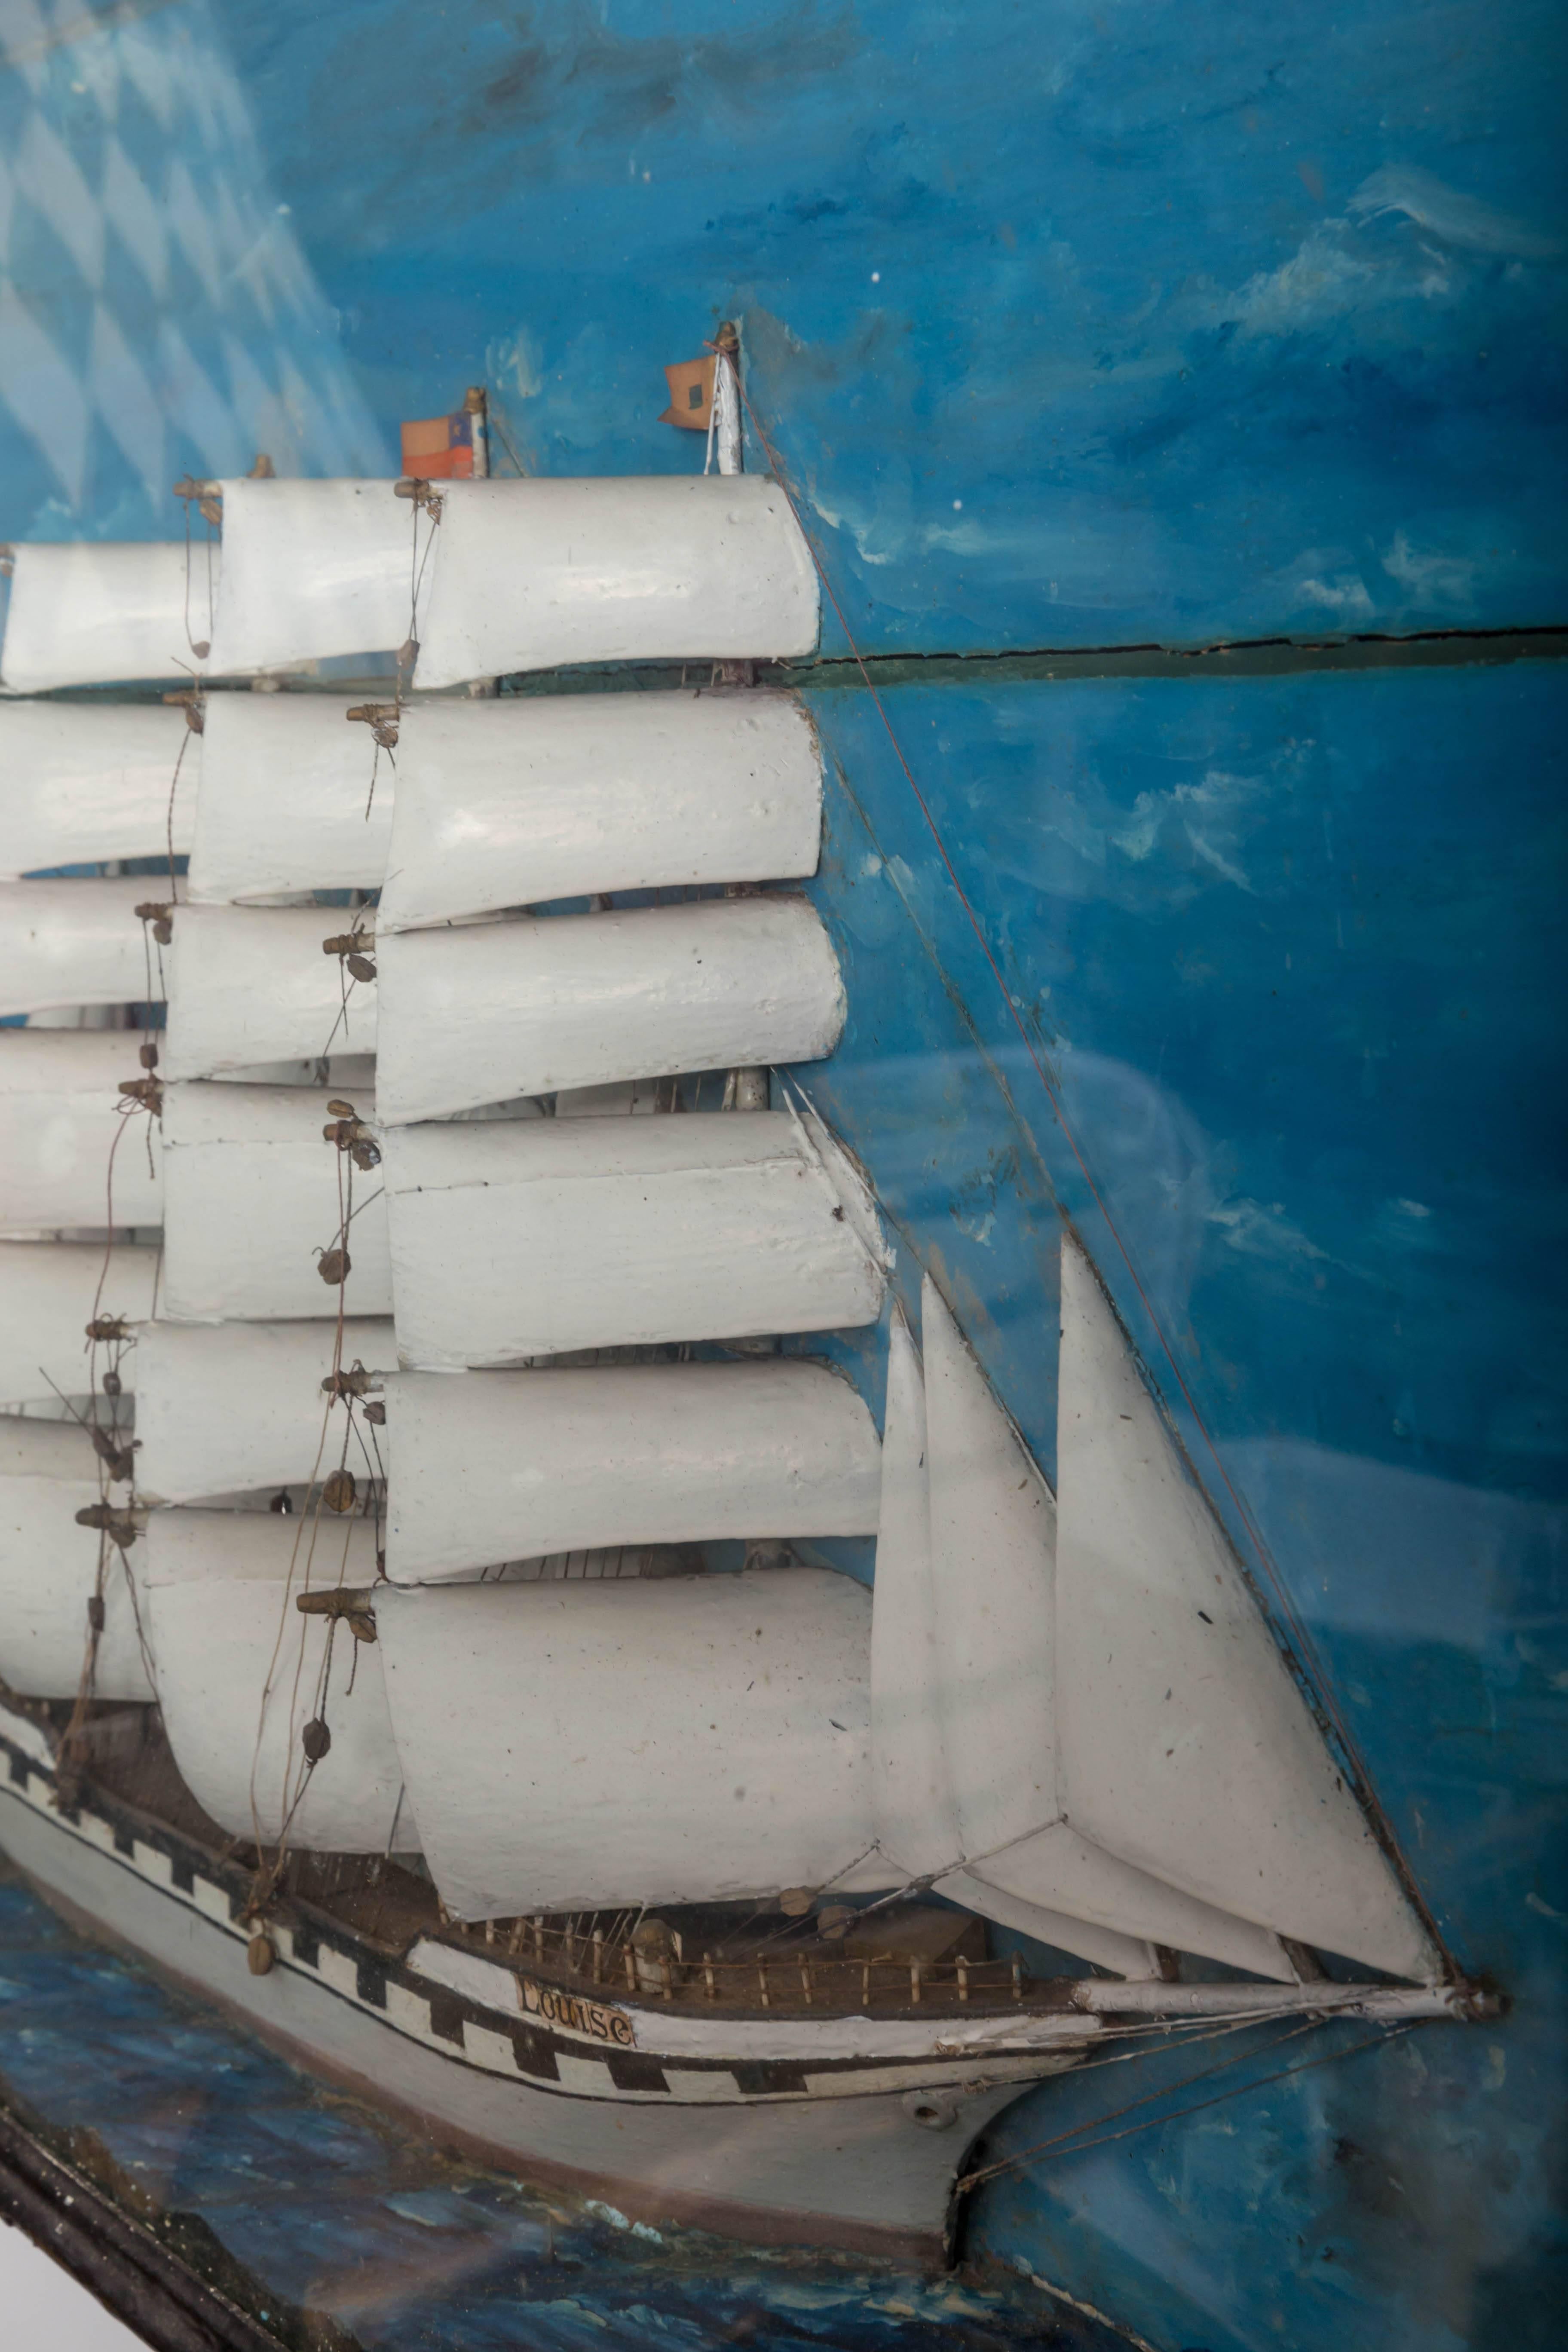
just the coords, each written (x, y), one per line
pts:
(440, 448)
(690, 394)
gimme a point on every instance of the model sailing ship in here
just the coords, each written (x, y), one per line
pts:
(394, 1405)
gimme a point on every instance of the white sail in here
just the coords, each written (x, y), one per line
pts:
(1187, 1746)
(48, 1570)
(532, 1237)
(102, 613)
(82, 782)
(49, 1292)
(74, 942)
(916, 1818)
(505, 1465)
(993, 1551)
(231, 1409)
(532, 573)
(687, 1740)
(250, 985)
(314, 570)
(286, 804)
(240, 1673)
(515, 803)
(490, 1011)
(58, 1120)
(912, 1802)
(253, 1199)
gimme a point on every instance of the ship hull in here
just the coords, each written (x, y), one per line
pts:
(859, 2171)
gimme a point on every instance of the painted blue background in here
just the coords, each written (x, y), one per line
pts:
(1289, 950)
(1076, 325)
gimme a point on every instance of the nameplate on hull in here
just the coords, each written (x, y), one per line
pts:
(574, 2015)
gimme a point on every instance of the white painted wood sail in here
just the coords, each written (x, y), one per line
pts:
(529, 574)
(49, 1292)
(250, 985)
(993, 1553)
(506, 1465)
(240, 1673)
(912, 1801)
(253, 1199)
(235, 1408)
(103, 612)
(532, 1237)
(916, 1818)
(687, 1740)
(74, 942)
(48, 1570)
(83, 781)
(314, 570)
(489, 1011)
(1187, 1746)
(58, 1120)
(514, 803)
(286, 803)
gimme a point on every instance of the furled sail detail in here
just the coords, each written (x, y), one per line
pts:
(251, 1205)
(240, 1673)
(534, 573)
(993, 1551)
(687, 1740)
(230, 1410)
(500, 1466)
(49, 1292)
(490, 1011)
(1187, 1746)
(312, 572)
(104, 612)
(74, 942)
(59, 1089)
(532, 1237)
(82, 782)
(251, 985)
(286, 803)
(48, 1570)
(540, 797)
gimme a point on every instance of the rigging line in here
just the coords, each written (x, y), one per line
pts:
(1238, 2089)
(169, 812)
(493, 420)
(1059, 2142)
(1324, 1690)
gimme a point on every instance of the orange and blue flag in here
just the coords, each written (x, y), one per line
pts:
(440, 448)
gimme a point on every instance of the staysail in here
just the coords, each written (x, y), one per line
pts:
(531, 1237)
(59, 1089)
(1187, 1746)
(251, 985)
(74, 942)
(49, 1569)
(103, 612)
(49, 1292)
(239, 1408)
(312, 571)
(539, 797)
(687, 1740)
(252, 1203)
(490, 1010)
(992, 1522)
(84, 782)
(532, 573)
(286, 803)
(498, 1465)
(240, 1673)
